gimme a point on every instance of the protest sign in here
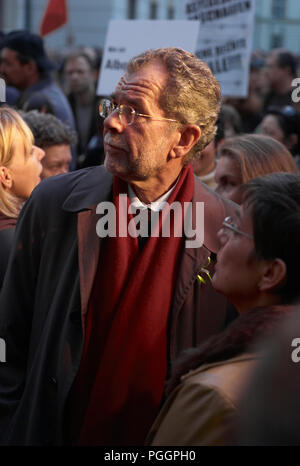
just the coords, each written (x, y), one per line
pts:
(225, 40)
(127, 38)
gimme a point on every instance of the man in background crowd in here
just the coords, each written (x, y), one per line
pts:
(80, 81)
(55, 138)
(25, 65)
(281, 69)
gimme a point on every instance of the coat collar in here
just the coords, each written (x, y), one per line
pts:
(204, 367)
(94, 186)
(237, 339)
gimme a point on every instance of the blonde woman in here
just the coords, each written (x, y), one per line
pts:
(242, 158)
(20, 169)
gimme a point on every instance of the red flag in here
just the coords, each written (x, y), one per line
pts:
(54, 17)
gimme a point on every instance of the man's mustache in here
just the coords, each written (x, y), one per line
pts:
(115, 142)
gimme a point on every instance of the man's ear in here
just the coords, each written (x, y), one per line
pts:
(189, 136)
(274, 274)
(5, 177)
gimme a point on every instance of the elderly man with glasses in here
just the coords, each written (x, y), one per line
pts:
(96, 306)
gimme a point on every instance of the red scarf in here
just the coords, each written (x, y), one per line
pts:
(121, 379)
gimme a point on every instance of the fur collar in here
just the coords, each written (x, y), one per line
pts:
(239, 337)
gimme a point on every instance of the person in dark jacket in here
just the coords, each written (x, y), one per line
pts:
(20, 170)
(26, 66)
(283, 124)
(101, 307)
(281, 70)
(80, 81)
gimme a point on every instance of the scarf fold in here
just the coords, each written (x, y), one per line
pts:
(122, 374)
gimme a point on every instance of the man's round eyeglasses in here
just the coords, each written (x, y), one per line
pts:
(126, 113)
(229, 224)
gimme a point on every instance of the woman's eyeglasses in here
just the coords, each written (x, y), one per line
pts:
(229, 224)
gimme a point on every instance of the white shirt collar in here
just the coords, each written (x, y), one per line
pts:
(156, 205)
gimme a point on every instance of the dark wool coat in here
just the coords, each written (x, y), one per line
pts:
(6, 239)
(7, 230)
(46, 291)
(95, 127)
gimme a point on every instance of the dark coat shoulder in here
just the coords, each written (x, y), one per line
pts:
(74, 191)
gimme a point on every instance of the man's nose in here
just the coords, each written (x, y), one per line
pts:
(113, 122)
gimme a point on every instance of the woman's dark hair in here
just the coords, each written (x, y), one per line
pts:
(286, 59)
(274, 201)
(288, 120)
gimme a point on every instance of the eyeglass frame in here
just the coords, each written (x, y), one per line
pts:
(234, 228)
(133, 112)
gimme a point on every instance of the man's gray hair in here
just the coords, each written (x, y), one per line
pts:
(192, 94)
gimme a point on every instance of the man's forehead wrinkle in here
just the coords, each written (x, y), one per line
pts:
(140, 86)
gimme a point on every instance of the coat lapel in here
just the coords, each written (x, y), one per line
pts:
(88, 255)
(191, 263)
(194, 259)
(94, 186)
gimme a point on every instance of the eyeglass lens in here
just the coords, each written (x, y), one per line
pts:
(126, 113)
(105, 107)
(229, 225)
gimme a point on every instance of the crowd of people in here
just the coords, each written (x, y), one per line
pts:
(116, 333)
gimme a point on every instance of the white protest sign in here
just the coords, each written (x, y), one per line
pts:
(127, 38)
(225, 40)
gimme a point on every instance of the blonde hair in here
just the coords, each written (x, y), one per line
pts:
(11, 127)
(192, 93)
(257, 155)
